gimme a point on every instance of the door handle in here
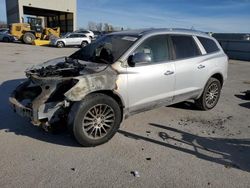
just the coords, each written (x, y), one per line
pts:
(201, 66)
(168, 73)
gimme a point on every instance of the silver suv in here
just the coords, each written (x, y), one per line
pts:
(119, 75)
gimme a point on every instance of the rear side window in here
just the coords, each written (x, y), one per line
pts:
(209, 45)
(81, 35)
(184, 47)
(71, 36)
(74, 35)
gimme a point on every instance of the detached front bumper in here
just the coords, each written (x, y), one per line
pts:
(33, 101)
(17, 106)
(20, 109)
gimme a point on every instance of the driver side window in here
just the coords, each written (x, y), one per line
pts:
(73, 36)
(156, 47)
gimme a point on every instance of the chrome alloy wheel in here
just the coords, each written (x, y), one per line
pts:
(29, 39)
(60, 44)
(98, 121)
(212, 95)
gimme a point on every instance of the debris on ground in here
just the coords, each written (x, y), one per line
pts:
(148, 158)
(73, 169)
(135, 173)
(246, 82)
(148, 132)
(215, 122)
(163, 135)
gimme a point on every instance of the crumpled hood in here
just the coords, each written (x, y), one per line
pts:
(65, 67)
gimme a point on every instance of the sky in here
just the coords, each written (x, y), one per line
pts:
(204, 15)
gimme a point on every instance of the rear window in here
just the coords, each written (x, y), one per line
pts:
(209, 45)
(184, 47)
(73, 35)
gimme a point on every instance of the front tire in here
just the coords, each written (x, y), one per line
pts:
(60, 44)
(28, 38)
(210, 95)
(95, 120)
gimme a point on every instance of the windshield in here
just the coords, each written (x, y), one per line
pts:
(64, 35)
(107, 49)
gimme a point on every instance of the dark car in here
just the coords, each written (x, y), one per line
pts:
(5, 36)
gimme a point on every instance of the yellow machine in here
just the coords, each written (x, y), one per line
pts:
(33, 31)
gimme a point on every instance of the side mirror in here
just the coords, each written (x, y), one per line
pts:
(138, 58)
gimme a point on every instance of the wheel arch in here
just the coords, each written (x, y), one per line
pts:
(84, 40)
(216, 75)
(61, 42)
(31, 31)
(219, 77)
(112, 94)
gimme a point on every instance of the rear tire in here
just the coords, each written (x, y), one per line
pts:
(60, 44)
(210, 95)
(95, 120)
(28, 38)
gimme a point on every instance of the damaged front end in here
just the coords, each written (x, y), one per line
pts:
(48, 93)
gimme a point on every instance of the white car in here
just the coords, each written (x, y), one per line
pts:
(88, 33)
(71, 39)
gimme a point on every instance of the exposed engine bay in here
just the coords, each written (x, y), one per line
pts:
(63, 68)
(52, 87)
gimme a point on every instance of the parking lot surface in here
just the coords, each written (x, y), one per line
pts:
(176, 146)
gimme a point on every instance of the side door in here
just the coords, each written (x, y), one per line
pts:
(189, 64)
(80, 38)
(71, 39)
(151, 84)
